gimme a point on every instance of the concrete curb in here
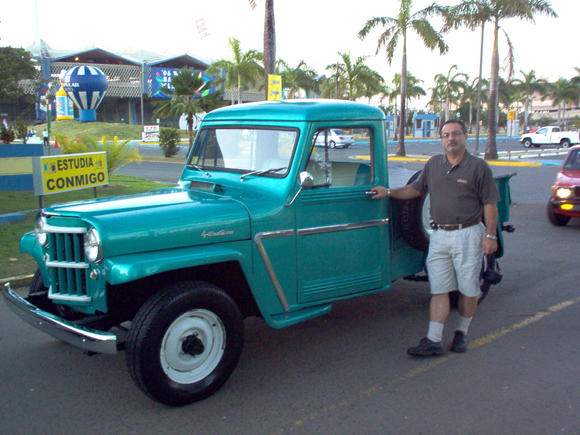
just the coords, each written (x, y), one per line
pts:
(17, 281)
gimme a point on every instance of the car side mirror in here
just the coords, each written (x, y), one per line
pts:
(306, 182)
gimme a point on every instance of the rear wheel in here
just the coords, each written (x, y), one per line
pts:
(489, 262)
(527, 143)
(565, 143)
(184, 343)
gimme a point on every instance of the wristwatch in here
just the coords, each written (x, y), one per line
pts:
(489, 236)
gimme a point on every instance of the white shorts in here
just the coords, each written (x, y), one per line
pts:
(454, 260)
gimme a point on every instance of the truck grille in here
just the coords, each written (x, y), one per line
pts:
(67, 265)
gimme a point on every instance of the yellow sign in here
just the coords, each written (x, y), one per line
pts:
(511, 115)
(55, 174)
(274, 87)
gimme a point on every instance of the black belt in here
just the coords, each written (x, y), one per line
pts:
(454, 227)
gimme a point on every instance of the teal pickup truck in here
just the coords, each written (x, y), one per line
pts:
(261, 223)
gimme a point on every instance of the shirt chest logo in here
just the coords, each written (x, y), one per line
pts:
(461, 180)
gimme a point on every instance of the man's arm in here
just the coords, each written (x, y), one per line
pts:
(405, 192)
(490, 218)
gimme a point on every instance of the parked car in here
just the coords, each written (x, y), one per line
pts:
(335, 138)
(565, 201)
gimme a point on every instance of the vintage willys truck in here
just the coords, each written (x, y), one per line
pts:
(261, 223)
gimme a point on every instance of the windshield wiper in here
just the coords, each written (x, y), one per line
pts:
(208, 175)
(262, 172)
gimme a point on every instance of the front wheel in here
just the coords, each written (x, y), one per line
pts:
(557, 219)
(184, 343)
(332, 144)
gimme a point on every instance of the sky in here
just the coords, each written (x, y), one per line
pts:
(311, 30)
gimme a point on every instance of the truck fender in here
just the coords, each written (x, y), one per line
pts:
(131, 267)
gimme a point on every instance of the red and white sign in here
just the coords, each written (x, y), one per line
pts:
(151, 137)
(151, 128)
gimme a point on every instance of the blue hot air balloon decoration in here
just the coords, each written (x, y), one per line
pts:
(86, 86)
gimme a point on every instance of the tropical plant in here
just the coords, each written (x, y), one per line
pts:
(118, 154)
(470, 95)
(413, 91)
(169, 139)
(450, 85)
(294, 79)
(20, 128)
(396, 28)
(475, 13)
(240, 73)
(190, 95)
(529, 86)
(358, 80)
(563, 92)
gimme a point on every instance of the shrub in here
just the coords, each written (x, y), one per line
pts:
(6, 134)
(20, 129)
(117, 154)
(169, 139)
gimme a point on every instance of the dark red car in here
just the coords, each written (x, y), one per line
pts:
(565, 201)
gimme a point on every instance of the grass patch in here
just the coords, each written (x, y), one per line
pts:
(72, 129)
(15, 263)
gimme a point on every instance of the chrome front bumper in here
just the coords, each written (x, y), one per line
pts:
(79, 336)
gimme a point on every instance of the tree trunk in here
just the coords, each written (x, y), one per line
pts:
(526, 115)
(269, 44)
(491, 148)
(401, 147)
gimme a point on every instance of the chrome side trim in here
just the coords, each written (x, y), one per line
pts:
(79, 336)
(343, 227)
(269, 268)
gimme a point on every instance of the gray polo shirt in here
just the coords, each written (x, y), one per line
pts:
(457, 193)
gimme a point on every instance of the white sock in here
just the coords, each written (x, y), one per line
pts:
(435, 333)
(463, 324)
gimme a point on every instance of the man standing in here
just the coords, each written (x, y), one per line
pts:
(462, 193)
(45, 138)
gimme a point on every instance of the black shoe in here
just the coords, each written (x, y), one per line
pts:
(426, 348)
(459, 344)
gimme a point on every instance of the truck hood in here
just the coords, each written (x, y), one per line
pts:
(161, 219)
(568, 178)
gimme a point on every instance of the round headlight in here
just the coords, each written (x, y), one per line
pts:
(563, 192)
(93, 250)
(39, 232)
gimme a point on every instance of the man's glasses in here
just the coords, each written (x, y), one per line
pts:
(454, 134)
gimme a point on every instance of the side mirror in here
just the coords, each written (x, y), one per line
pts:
(306, 182)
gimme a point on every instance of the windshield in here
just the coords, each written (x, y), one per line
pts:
(244, 149)
(572, 163)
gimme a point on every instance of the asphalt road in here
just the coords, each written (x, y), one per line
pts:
(348, 372)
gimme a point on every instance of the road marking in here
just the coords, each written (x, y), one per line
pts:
(429, 365)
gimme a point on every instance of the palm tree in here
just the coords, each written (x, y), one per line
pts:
(528, 86)
(269, 42)
(473, 13)
(470, 94)
(242, 72)
(564, 92)
(395, 28)
(413, 91)
(451, 84)
(190, 95)
(301, 77)
(358, 79)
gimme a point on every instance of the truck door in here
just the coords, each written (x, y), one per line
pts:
(342, 234)
(542, 136)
